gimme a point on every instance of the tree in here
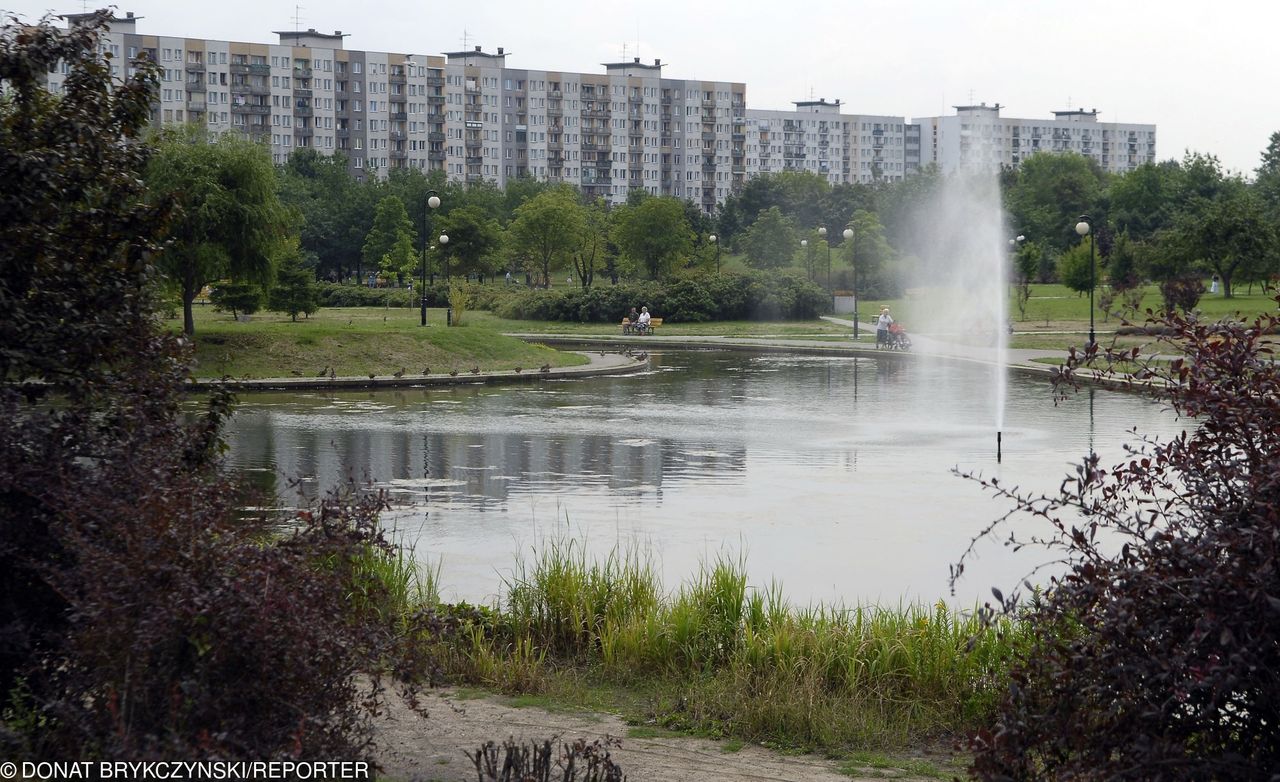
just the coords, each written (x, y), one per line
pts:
(770, 242)
(295, 289)
(1144, 200)
(231, 222)
(389, 244)
(1267, 181)
(1076, 270)
(1230, 236)
(654, 234)
(475, 240)
(593, 254)
(335, 210)
(1155, 655)
(878, 274)
(1050, 193)
(546, 230)
(238, 298)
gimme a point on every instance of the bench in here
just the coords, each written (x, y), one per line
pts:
(654, 323)
(629, 328)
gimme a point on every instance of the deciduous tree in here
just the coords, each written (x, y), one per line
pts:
(230, 223)
(546, 230)
(654, 234)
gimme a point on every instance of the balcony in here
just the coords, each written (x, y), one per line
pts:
(302, 111)
(259, 89)
(398, 116)
(435, 99)
(397, 135)
(241, 68)
(196, 105)
(435, 135)
(260, 69)
(303, 132)
(554, 94)
(707, 102)
(398, 154)
(248, 109)
(474, 179)
(475, 161)
(196, 86)
(301, 92)
(396, 78)
(435, 81)
(343, 133)
(301, 73)
(436, 156)
(738, 136)
(708, 136)
(472, 89)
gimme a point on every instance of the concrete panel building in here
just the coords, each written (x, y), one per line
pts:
(469, 115)
(978, 138)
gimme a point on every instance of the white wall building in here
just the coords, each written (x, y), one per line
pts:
(978, 138)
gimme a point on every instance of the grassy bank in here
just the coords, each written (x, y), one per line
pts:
(356, 341)
(719, 658)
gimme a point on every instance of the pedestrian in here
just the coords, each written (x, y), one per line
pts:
(1214, 284)
(882, 327)
(508, 278)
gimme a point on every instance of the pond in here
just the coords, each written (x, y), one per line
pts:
(831, 475)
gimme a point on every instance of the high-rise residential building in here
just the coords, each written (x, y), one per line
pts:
(978, 138)
(469, 115)
(816, 137)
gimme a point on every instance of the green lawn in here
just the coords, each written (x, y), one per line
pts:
(357, 341)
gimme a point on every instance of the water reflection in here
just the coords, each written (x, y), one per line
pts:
(833, 474)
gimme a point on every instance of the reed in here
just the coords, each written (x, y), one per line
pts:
(728, 659)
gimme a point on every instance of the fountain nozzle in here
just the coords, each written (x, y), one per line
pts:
(999, 435)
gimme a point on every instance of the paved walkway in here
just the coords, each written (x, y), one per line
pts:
(617, 354)
(600, 363)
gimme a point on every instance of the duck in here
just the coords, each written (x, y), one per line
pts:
(544, 368)
(519, 370)
(426, 370)
(399, 374)
(453, 373)
(323, 372)
(475, 370)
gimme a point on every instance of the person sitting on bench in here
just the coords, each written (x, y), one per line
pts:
(642, 323)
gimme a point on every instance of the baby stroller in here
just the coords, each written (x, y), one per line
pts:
(897, 338)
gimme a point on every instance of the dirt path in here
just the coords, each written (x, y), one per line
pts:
(431, 749)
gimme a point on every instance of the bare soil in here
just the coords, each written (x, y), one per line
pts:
(414, 748)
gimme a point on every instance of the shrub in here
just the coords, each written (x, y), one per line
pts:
(1157, 654)
(141, 617)
(699, 297)
(1183, 293)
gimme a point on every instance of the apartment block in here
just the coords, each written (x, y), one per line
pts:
(816, 137)
(469, 115)
(978, 138)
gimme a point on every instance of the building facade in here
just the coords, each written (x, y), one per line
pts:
(469, 115)
(816, 137)
(978, 138)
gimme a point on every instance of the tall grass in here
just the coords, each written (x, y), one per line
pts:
(728, 659)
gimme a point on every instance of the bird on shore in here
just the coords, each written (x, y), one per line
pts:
(519, 370)
(453, 373)
(399, 374)
(544, 368)
(332, 374)
(475, 370)
(426, 370)
(372, 376)
(323, 372)
(295, 373)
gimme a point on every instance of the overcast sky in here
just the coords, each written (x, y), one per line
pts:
(1205, 73)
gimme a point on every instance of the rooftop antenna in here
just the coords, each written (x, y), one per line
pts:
(970, 97)
(465, 37)
(624, 51)
(297, 17)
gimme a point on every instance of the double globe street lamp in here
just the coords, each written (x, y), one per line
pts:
(716, 242)
(433, 202)
(848, 237)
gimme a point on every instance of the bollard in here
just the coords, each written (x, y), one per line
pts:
(448, 316)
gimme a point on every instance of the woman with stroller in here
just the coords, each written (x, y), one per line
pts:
(882, 327)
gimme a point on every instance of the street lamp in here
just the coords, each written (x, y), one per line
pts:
(1085, 228)
(822, 231)
(712, 239)
(808, 259)
(848, 237)
(433, 202)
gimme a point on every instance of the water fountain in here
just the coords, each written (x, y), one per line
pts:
(959, 278)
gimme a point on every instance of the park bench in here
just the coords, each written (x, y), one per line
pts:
(654, 323)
